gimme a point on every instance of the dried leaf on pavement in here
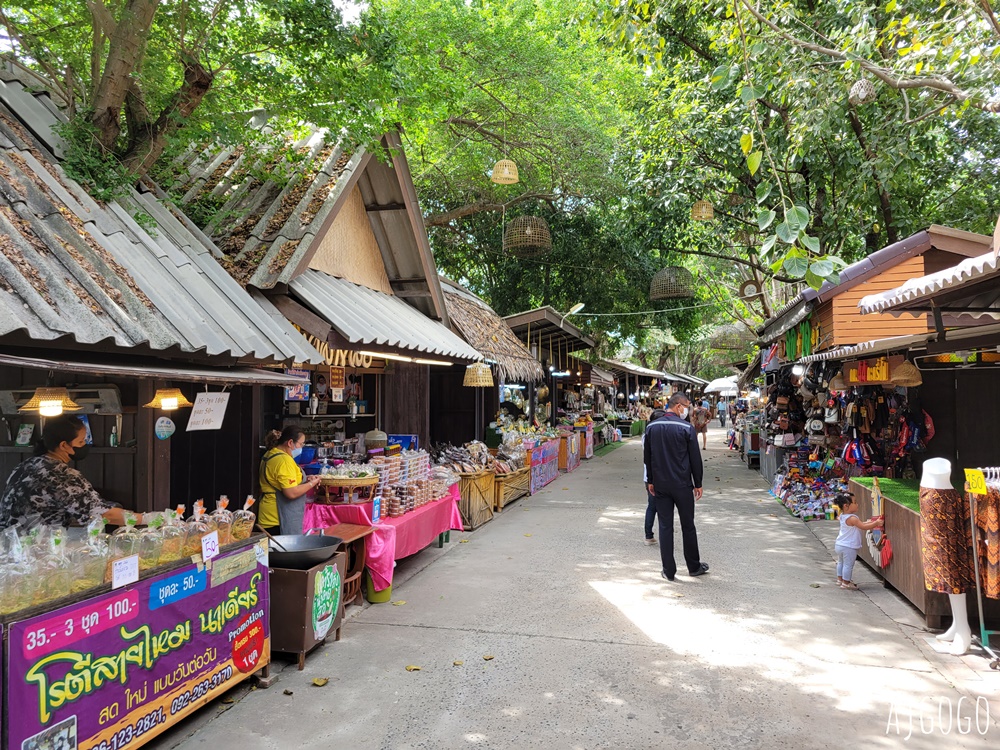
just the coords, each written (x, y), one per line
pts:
(488, 657)
(412, 668)
(320, 681)
(399, 603)
(288, 692)
(457, 663)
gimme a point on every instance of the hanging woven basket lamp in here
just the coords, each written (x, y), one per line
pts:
(862, 92)
(731, 337)
(702, 211)
(478, 375)
(50, 402)
(672, 282)
(505, 172)
(527, 237)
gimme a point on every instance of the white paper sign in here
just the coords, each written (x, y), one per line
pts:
(209, 411)
(124, 571)
(210, 546)
(260, 552)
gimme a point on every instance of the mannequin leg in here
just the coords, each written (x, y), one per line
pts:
(960, 632)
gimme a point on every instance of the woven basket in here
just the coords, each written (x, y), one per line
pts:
(476, 505)
(509, 487)
(527, 237)
(907, 376)
(505, 172)
(671, 282)
(478, 375)
(731, 337)
(862, 92)
(329, 481)
(702, 211)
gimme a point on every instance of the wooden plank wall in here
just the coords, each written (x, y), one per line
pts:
(452, 407)
(407, 400)
(850, 327)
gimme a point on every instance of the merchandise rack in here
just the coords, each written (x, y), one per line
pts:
(992, 473)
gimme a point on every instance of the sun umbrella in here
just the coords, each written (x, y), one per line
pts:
(724, 386)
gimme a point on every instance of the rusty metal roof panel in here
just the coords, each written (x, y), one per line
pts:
(72, 269)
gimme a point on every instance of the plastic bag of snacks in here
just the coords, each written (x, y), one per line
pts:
(243, 520)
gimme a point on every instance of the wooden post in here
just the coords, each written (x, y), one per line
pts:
(152, 456)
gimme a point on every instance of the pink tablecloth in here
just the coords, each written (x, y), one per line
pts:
(393, 538)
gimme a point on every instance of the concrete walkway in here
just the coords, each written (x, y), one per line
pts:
(591, 648)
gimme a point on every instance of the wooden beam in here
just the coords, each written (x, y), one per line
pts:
(386, 207)
(302, 316)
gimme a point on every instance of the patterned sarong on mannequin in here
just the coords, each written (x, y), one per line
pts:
(946, 540)
(988, 531)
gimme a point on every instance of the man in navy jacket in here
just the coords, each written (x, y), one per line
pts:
(674, 476)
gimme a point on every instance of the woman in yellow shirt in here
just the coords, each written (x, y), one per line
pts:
(280, 477)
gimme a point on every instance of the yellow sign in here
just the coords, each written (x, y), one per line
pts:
(976, 481)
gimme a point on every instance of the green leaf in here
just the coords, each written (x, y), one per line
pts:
(749, 93)
(764, 219)
(822, 268)
(838, 263)
(785, 233)
(763, 191)
(833, 278)
(746, 142)
(890, 6)
(813, 280)
(796, 267)
(768, 245)
(797, 218)
(812, 244)
(753, 161)
(723, 76)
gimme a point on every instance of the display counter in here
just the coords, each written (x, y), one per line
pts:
(587, 438)
(393, 538)
(115, 668)
(544, 462)
(569, 451)
(905, 572)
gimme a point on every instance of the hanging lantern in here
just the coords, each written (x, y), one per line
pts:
(527, 237)
(50, 402)
(672, 282)
(862, 92)
(478, 375)
(732, 337)
(702, 211)
(168, 399)
(505, 172)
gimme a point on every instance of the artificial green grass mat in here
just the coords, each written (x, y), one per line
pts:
(607, 448)
(903, 491)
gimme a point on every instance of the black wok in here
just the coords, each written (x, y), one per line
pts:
(301, 552)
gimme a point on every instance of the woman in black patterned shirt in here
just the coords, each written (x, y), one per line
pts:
(46, 485)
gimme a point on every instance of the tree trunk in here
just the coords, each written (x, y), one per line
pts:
(127, 46)
(147, 140)
(885, 204)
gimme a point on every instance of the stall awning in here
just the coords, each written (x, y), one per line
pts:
(601, 378)
(875, 346)
(367, 317)
(216, 375)
(971, 288)
(750, 374)
(783, 321)
(628, 367)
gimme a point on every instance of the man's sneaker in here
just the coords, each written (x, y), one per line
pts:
(650, 541)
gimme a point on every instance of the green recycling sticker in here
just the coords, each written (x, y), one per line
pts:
(326, 600)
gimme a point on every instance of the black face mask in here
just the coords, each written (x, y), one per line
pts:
(80, 453)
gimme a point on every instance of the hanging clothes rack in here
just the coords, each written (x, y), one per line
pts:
(992, 474)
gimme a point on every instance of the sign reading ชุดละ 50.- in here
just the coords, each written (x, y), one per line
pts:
(114, 671)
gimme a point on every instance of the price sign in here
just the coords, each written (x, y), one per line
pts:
(210, 546)
(976, 481)
(124, 571)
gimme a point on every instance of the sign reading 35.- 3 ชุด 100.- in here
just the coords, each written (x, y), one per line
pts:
(116, 670)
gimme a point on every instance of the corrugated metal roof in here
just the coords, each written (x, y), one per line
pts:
(365, 316)
(269, 229)
(71, 269)
(875, 346)
(792, 316)
(969, 273)
(628, 367)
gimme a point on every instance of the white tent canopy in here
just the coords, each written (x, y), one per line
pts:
(724, 386)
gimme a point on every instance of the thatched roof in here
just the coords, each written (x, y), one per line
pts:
(489, 334)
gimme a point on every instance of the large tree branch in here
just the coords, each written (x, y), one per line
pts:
(870, 155)
(447, 217)
(742, 261)
(124, 53)
(888, 77)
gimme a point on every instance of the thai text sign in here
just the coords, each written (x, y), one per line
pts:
(876, 371)
(116, 670)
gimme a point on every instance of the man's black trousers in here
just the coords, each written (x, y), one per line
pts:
(682, 498)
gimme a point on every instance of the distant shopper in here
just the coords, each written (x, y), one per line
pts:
(650, 504)
(849, 540)
(674, 472)
(700, 419)
(721, 409)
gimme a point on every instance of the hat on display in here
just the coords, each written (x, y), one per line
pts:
(838, 384)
